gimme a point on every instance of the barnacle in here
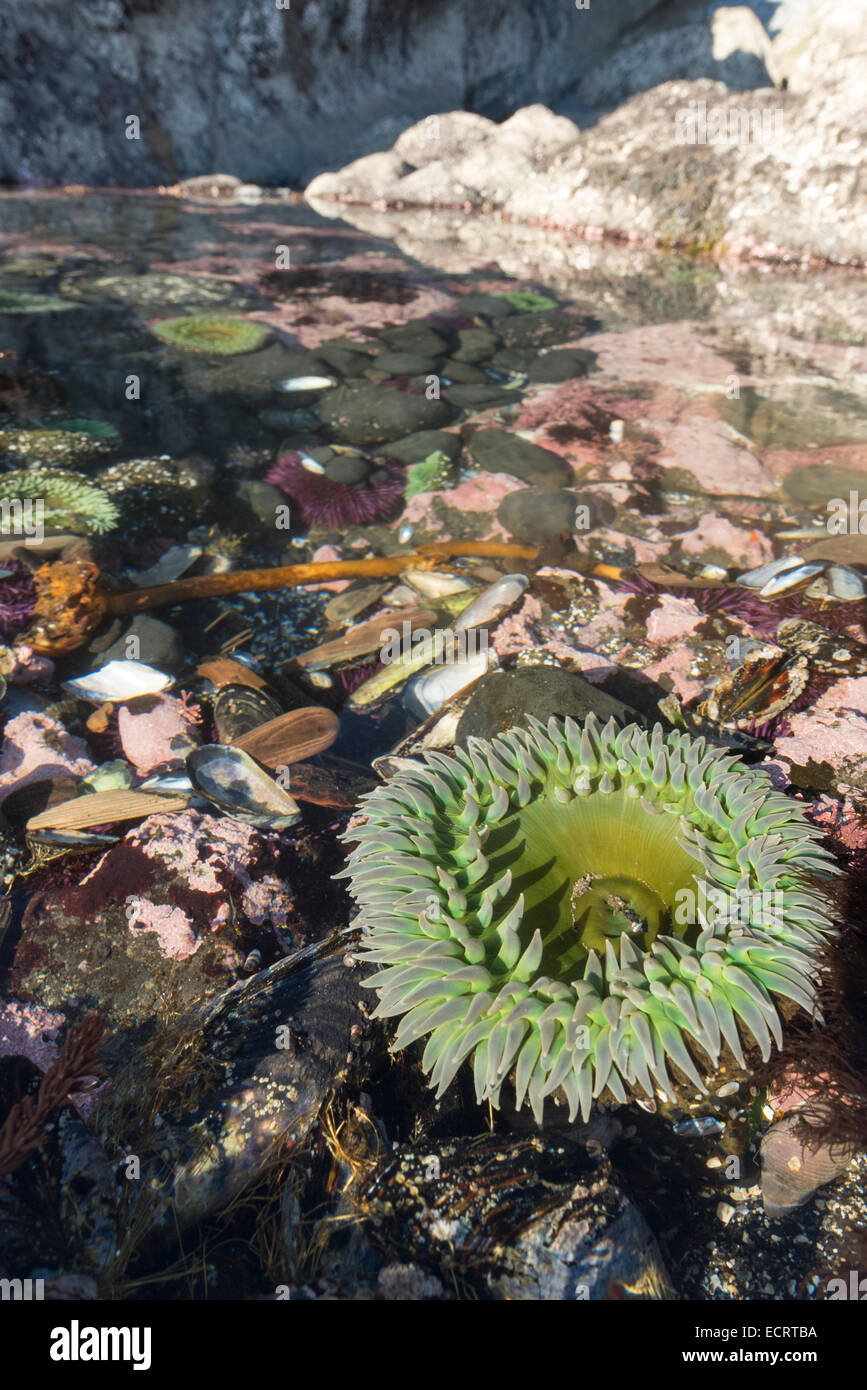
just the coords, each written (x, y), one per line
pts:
(558, 902)
(68, 500)
(212, 333)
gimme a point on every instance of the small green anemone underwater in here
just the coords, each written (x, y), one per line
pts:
(217, 334)
(69, 501)
(553, 903)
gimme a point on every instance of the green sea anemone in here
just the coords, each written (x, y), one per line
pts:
(582, 904)
(23, 303)
(212, 334)
(70, 502)
(435, 472)
(527, 302)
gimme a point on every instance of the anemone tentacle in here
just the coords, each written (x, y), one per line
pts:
(579, 906)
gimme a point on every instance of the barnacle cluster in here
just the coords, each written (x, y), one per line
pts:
(68, 501)
(527, 902)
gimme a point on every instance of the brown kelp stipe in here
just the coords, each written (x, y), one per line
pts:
(71, 602)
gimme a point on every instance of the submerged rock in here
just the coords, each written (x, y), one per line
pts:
(376, 414)
(496, 451)
(259, 1063)
(506, 1218)
(502, 699)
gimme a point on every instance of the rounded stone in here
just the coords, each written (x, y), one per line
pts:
(562, 364)
(537, 514)
(497, 451)
(415, 448)
(346, 468)
(376, 414)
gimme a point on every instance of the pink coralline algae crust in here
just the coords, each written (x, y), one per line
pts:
(480, 494)
(672, 618)
(173, 928)
(28, 1030)
(36, 747)
(778, 463)
(702, 447)
(519, 631)
(155, 732)
(833, 731)
(204, 850)
(841, 821)
(30, 666)
(673, 354)
(676, 665)
(748, 548)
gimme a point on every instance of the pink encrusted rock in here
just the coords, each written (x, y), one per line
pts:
(173, 928)
(832, 731)
(204, 849)
(35, 748)
(702, 447)
(676, 665)
(26, 1030)
(519, 631)
(675, 354)
(158, 730)
(30, 666)
(672, 617)
(482, 493)
(161, 922)
(713, 532)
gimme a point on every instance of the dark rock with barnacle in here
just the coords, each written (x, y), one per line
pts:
(242, 1085)
(510, 1218)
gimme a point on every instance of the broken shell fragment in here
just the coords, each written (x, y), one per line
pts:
(118, 681)
(231, 779)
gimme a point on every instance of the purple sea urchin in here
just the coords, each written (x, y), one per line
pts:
(559, 901)
(17, 597)
(326, 503)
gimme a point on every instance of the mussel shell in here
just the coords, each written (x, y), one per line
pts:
(231, 779)
(238, 709)
(292, 737)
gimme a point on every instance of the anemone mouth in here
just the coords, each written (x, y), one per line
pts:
(581, 904)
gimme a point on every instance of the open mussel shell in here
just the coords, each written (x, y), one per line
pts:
(778, 577)
(240, 708)
(300, 734)
(232, 780)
